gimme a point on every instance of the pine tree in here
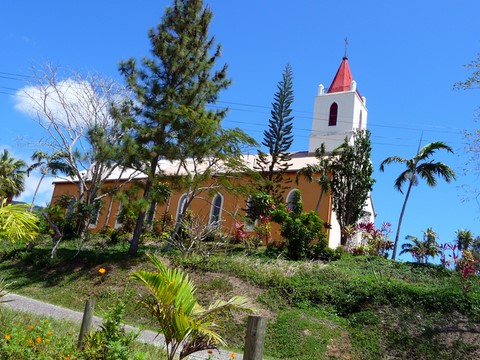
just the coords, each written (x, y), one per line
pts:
(278, 138)
(172, 90)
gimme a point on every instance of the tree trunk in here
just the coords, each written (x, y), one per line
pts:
(151, 214)
(397, 235)
(109, 212)
(36, 191)
(319, 201)
(140, 221)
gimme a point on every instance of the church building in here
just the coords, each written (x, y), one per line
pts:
(339, 110)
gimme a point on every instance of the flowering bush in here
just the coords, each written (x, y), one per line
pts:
(375, 242)
(466, 269)
(34, 341)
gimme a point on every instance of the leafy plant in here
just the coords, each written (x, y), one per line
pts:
(17, 224)
(111, 341)
(299, 228)
(33, 340)
(185, 324)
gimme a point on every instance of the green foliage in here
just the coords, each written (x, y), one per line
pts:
(169, 118)
(300, 229)
(422, 250)
(185, 324)
(33, 339)
(260, 204)
(12, 176)
(111, 341)
(278, 139)
(351, 179)
(17, 224)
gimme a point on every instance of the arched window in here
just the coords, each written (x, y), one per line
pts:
(216, 210)
(95, 216)
(120, 217)
(290, 198)
(182, 203)
(360, 121)
(249, 223)
(332, 118)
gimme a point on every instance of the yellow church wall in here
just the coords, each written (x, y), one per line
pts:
(233, 207)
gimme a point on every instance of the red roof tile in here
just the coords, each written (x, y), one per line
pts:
(343, 78)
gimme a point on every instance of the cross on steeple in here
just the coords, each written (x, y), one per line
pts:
(346, 45)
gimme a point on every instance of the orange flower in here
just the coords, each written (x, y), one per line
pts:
(68, 357)
(49, 332)
(232, 356)
(38, 340)
(102, 271)
(30, 342)
(30, 326)
(8, 336)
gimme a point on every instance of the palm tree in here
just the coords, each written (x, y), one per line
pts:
(48, 164)
(421, 250)
(414, 247)
(464, 239)
(12, 176)
(182, 320)
(317, 172)
(418, 167)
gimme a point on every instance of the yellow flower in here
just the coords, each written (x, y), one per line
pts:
(102, 271)
(8, 336)
(38, 340)
(232, 356)
(49, 332)
(30, 342)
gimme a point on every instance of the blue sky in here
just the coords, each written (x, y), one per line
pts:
(404, 55)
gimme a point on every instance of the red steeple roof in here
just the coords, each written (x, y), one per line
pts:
(343, 78)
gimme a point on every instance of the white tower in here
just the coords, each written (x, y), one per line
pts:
(337, 112)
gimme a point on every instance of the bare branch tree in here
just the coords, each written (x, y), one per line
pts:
(75, 112)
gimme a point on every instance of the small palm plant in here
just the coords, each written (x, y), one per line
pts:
(181, 319)
(421, 250)
(17, 224)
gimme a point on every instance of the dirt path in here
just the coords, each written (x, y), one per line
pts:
(23, 303)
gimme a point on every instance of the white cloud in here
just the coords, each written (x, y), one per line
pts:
(45, 191)
(71, 103)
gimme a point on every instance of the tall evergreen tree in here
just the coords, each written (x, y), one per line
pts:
(351, 180)
(172, 90)
(278, 138)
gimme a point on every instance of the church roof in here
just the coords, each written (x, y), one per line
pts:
(343, 78)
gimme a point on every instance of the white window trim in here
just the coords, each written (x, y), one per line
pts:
(287, 198)
(212, 207)
(181, 200)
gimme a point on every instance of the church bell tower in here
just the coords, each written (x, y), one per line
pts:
(338, 111)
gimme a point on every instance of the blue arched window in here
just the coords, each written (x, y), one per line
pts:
(332, 118)
(216, 210)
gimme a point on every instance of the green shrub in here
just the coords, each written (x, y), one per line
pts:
(111, 341)
(299, 228)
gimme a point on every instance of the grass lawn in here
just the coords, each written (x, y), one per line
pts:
(353, 308)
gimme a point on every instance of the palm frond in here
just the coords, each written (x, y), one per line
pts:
(391, 160)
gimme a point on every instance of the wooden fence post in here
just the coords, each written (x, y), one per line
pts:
(255, 337)
(86, 322)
